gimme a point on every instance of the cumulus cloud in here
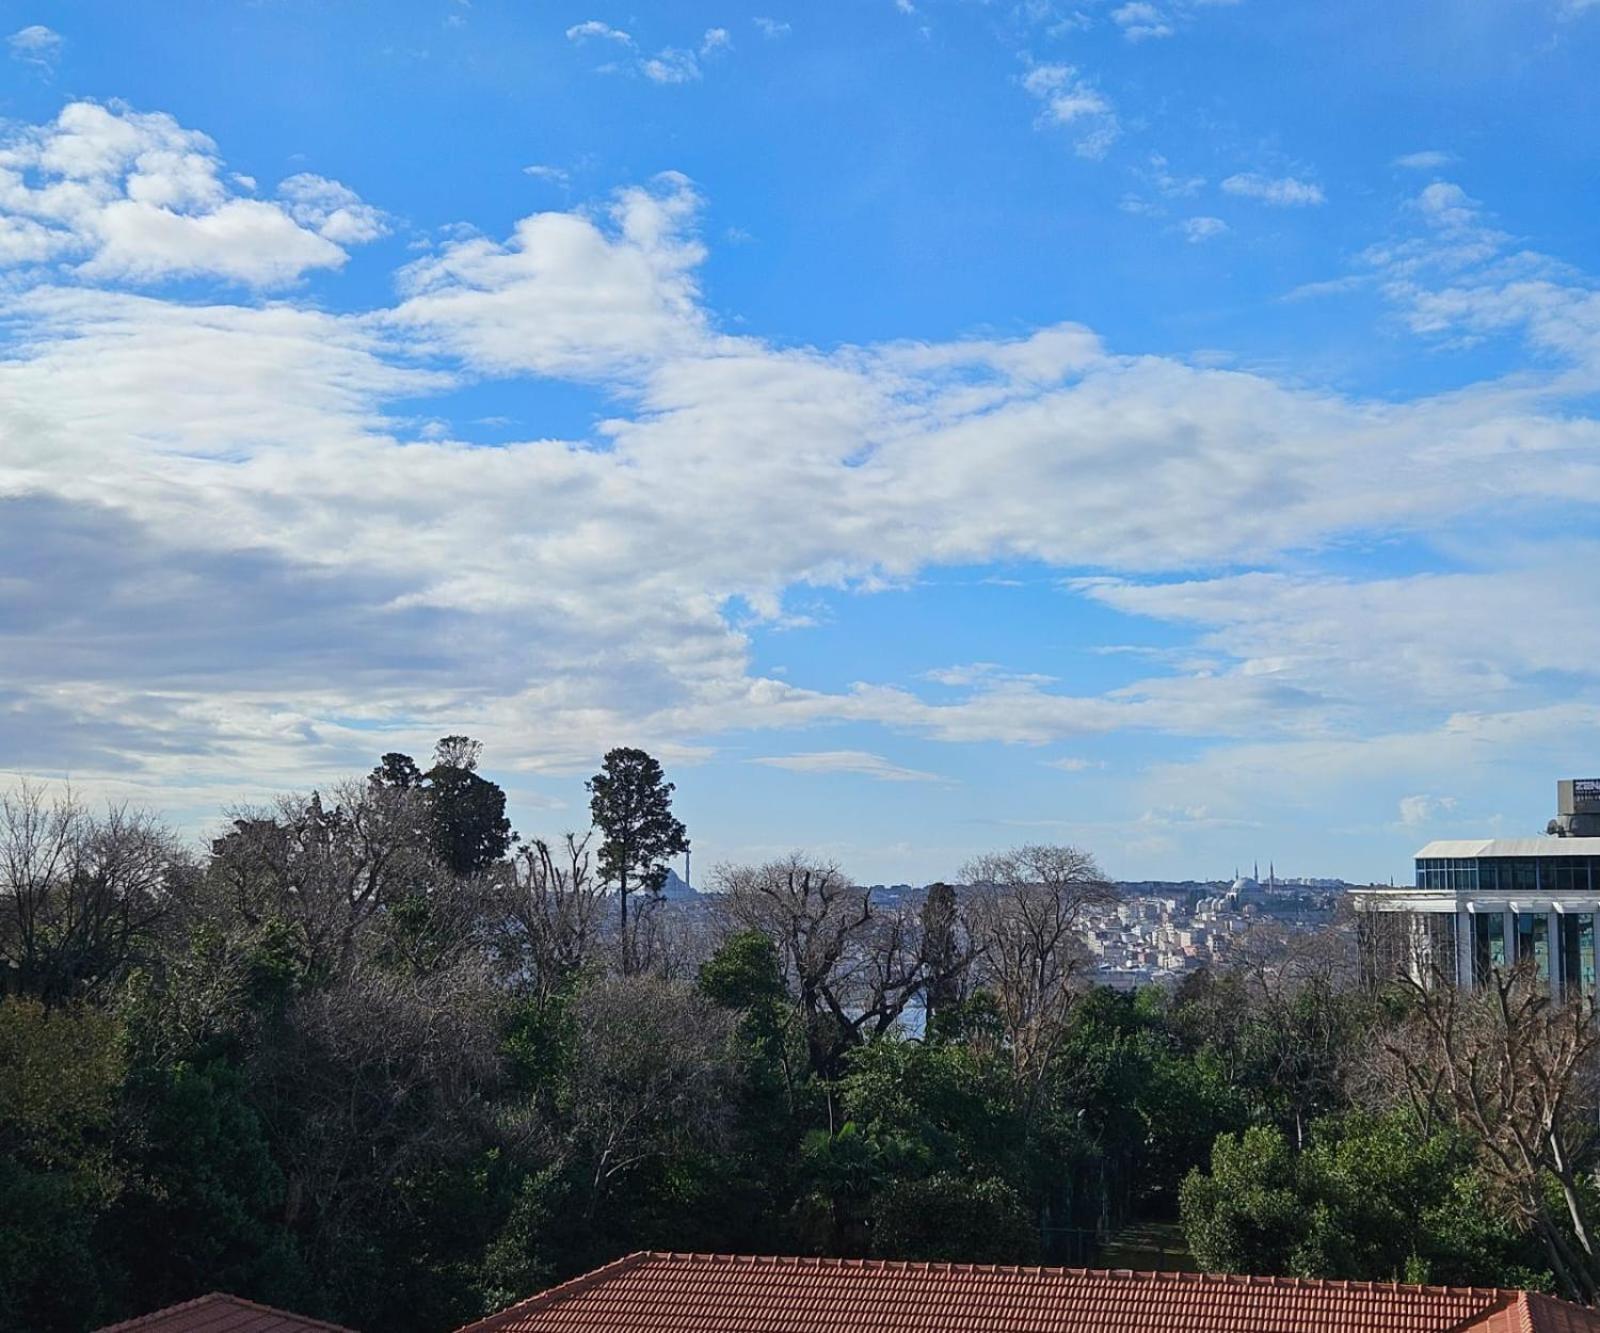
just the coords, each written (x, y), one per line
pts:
(771, 27)
(1071, 102)
(671, 65)
(1140, 21)
(125, 194)
(594, 29)
(559, 593)
(332, 210)
(1281, 192)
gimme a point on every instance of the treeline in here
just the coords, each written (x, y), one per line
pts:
(376, 1058)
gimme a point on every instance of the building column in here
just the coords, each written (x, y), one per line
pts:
(1553, 929)
(1464, 950)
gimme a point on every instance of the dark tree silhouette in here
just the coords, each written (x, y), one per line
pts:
(467, 825)
(632, 807)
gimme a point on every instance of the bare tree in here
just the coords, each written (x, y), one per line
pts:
(326, 870)
(1303, 1013)
(1027, 909)
(553, 913)
(372, 1076)
(652, 1074)
(853, 968)
(80, 895)
(1520, 1072)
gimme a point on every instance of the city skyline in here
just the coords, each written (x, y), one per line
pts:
(1167, 428)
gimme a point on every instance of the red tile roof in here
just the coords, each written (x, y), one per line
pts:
(653, 1292)
(218, 1313)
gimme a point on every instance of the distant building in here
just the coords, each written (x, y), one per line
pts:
(1481, 904)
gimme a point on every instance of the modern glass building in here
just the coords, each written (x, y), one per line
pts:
(1480, 905)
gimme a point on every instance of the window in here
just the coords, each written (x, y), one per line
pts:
(1488, 944)
(1533, 941)
(1577, 952)
(1565, 876)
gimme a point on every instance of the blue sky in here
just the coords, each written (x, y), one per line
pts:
(929, 426)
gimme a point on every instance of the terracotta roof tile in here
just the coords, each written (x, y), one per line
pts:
(219, 1313)
(654, 1292)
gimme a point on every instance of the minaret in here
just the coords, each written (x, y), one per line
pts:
(1255, 871)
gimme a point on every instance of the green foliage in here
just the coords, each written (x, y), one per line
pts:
(631, 804)
(326, 1081)
(1370, 1198)
(955, 1218)
(60, 1073)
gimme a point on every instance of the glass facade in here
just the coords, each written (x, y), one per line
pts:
(1533, 941)
(1535, 911)
(1488, 943)
(1553, 876)
(1577, 953)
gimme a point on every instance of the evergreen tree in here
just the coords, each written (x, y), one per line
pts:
(631, 803)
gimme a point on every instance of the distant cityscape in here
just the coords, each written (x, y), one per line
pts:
(1161, 930)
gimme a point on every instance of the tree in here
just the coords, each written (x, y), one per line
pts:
(853, 969)
(1027, 909)
(631, 804)
(1519, 1071)
(954, 1218)
(652, 1074)
(465, 814)
(60, 1072)
(944, 954)
(80, 895)
(323, 871)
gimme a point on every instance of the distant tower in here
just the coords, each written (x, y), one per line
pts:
(1255, 871)
(1272, 876)
(688, 883)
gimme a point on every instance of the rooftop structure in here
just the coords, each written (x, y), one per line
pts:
(653, 1292)
(1484, 903)
(219, 1313)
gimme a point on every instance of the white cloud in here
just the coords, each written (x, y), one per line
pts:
(1140, 21)
(715, 40)
(1424, 809)
(1203, 229)
(594, 29)
(671, 65)
(135, 195)
(332, 210)
(1427, 160)
(1283, 192)
(1071, 102)
(544, 172)
(772, 27)
(857, 763)
(388, 580)
(35, 45)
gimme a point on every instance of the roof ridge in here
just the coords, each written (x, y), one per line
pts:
(951, 1266)
(194, 1302)
(571, 1287)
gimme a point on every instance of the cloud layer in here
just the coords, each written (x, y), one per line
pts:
(229, 548)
